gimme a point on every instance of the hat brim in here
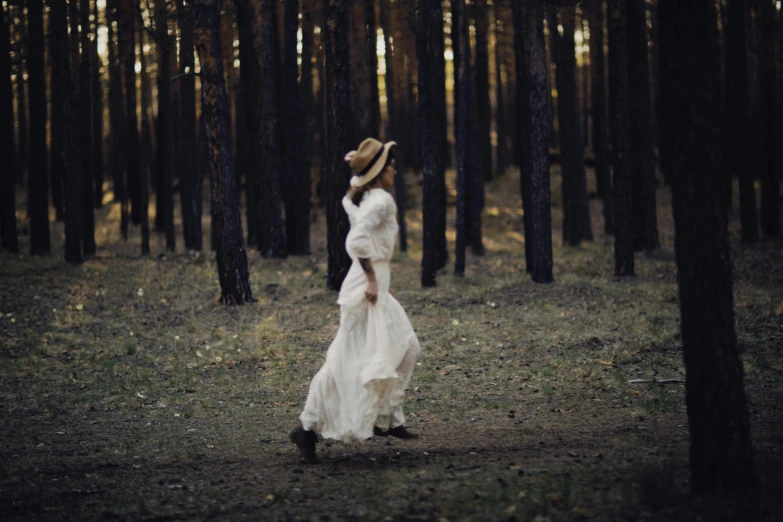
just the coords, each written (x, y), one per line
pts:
(378, 167)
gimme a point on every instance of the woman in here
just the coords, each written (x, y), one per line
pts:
(359, 390)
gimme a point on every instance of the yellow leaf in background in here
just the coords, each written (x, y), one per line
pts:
(80, 307)
(608, 363)
(779, 309)
(515, 235)
(511, 509)
(493, 211)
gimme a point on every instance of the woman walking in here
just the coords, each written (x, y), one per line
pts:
(359, 390)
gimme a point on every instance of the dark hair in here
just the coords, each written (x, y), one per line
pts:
(358, 192)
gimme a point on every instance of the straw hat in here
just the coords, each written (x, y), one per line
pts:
(367, 162)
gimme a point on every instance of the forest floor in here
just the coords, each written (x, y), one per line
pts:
(127, 392)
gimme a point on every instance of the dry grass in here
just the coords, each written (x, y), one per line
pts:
(164, 405)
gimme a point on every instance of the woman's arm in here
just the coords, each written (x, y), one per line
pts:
(372, 284)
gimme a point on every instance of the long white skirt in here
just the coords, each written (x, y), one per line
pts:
(368, 365)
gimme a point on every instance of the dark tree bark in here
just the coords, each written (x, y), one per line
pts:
(56, 125)
(576, 211)
(297, 178)
(501, 161)
(190, 175)
(430, 145)
(360, 72)
(737, 118)
(88, 146)
(338, 118)
(306, 91)
(231, 255)
(645, 223)
(483, 107)
(130, 142)
(770, 186)
(97, 115)
(664, 120)
(438, 79)
(8, 233)
(393, 114)
(618, 109)
(531, 67)
(69, 120)
(145, 143)
(37, 193)
(271, 236)
(720, 453)
(249, 98)
(117, 124)
(600, 130)
(164, 149)
(23, 134)
(372, 50)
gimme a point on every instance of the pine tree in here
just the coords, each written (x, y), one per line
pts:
(8, 232)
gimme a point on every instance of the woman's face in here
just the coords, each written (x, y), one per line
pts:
(387, 176)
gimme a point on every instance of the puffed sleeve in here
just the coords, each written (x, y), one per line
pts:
(360, 241)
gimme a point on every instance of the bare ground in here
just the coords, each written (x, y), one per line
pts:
(128, 393)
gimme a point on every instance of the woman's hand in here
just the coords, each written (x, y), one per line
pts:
(372, 291)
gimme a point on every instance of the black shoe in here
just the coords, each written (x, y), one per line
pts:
(305, 442)
(399, 432)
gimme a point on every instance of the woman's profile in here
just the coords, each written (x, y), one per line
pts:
(359, 390)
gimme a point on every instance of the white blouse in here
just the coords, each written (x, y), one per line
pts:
(373, 226)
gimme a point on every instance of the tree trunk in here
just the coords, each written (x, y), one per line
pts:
(392, 96)
(68, 119)
(145, 145)
(618, 108)
(531, 66)
(88, 146)
(430, 145)
(372, 51)
(164, 149)
(576, 211)
(271, 236)
(600, 131)
(720, 452)
(438, 79)
(737, 118)
(306, 91)
(483, 107)
(297, 184)
(8, 233)
(231, 256)
(770, 186)
(22, 96)
(190, 174)
(56, 126)
(116, 119)
(131, 136)
(501, 157)
(359, 71)
(645, 223)
(37, 193)
(97, 115)
(338, 118)
(247, 140)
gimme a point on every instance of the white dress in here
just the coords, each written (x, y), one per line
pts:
(369, 364)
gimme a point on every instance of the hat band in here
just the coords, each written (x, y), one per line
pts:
(372, 162)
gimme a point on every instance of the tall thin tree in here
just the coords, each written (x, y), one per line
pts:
(430, 144)
(501, 155)
(97, 112)
(372, 50)
(645, 222)
(297, 193)
(338, 118)
(721, 456)
(231, 256)
(595, 13)
(618, 109)
(483, 107)
(360, 71)
(88, 146)
(56, 130)
(438, 71)
(271, 235)
(770, 186)
(736, 125)
(146, 159)
(23, 130)
(130, 185)
(164, 148)
(8, 232)
(116, 121)
(69, 120)
(37, 193)
(531, 69)
(392, 98)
